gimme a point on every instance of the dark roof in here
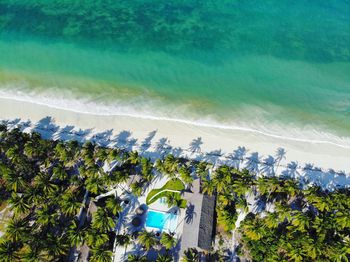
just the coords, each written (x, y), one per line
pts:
(199, 224)
(206, 225)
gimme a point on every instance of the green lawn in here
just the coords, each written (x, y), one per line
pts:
(174, 184)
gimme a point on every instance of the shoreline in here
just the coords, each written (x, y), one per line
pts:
(196, 123)
(181, 134)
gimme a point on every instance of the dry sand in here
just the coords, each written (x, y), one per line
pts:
(179, 134)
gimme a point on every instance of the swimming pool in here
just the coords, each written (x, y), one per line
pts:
(161, 220)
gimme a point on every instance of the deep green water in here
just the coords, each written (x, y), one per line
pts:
(263, 64)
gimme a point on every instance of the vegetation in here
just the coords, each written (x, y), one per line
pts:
(173, 198)
(44, 186)
(300, 225)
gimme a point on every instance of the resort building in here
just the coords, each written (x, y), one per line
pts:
(199, 225)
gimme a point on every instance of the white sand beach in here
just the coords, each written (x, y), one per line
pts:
(319, 155)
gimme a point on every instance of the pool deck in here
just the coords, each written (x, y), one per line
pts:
(194, 223)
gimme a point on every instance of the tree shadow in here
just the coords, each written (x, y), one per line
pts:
(190, 213)
(23, 125)
(103, 138)
(195, 145)
(81, 135)
(122, 138)
(329, 179)
(47, 125)
(291, 170)
(280, 154)
(212, 156)
(12, 123)
(130, 144)
(268, 166)
(147, 142)
(162, 146)
(253, 162)
(237, 157)
(176, 152)
(65, 133)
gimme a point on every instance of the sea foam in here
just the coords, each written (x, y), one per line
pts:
(119, 108)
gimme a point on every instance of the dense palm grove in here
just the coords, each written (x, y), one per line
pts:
(290, 223)
(47, 184)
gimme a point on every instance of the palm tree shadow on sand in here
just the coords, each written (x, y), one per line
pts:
(147, 142)
(268, 166)
(307, 174)
(253, 162)
(237, 157)
(102, 138)
(48, 127)
(195, 145)
(162, 147)
(122, 138)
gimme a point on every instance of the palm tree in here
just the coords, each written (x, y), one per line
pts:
(137, 187)
(96, 238)
(46, 216)
(14, 182)
(69, 204)
(164, 258)
(300, 221)
(208, 187)
(171, 165)
(60, 173)
(271, 220)
(31, 149)
(56, 247)
(113, 205)
(19, 204)
(191, 255)
(32, 255)
(284, 212)
(76, 235)
(168, 241)
(16, 229)
(185, 175)
(33, 195)
(101, 220)
(136, 258)
(147, 168)
(14, 155)
(221, 179)
(134, 157)
(147, 239)
(240, 187)
(43, 181)
(94, 184)
(174, 199)
(101, 154)
(8, 251)
(113, 155)
(123, 240)
(100, 254)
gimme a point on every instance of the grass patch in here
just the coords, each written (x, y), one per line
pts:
(173, 184)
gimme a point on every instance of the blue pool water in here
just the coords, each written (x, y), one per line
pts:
(161, 220)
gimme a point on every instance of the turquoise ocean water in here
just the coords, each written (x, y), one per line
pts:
(269, 65)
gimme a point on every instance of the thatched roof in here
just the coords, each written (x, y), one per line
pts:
(206, 225)
(199, 220)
